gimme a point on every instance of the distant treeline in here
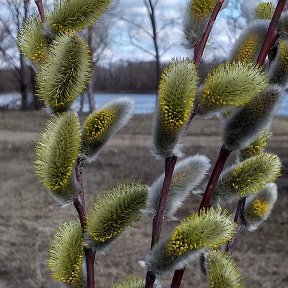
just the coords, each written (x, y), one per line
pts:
(138, 77)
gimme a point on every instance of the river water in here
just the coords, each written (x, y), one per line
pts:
(144, 103)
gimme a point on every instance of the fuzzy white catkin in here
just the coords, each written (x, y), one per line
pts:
(188, 174)
(278, 71)
(249, 8)
(247, 47)
(247, 177)
(123, 109)
(266, 199)
(195, 234)
(193, 26)
(248, 122)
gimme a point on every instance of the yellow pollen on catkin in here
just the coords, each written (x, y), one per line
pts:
(212, 99)
(283, 50)
(208, 229)
(66, 254)
(264, 11)
(247, 51)
(201, 9)
(174, 117)
(256, 147)
(259, 207)
(97, 125)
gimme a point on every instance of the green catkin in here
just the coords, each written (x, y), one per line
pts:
(247, 177)
(265, 11)
(222, 271)
(230, 85)
(256, 147)
(115, 210)
(198, 232)
(202, 9)
(279, 69)
(188, 174)
(66, 254)
(102, 124)
(56, 154)
(248, 46)
(197, 14)
(97, 124)
(130, 282)
(65, 73)
(253, 10)
(176, 94)
(247, 123)
(32, 41)
(73, 15)
(258, 207)
(283, 24)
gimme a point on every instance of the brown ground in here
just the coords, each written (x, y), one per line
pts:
(28, 215)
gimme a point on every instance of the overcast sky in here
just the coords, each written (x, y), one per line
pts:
(123, 33)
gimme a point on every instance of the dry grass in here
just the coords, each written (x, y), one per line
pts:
(28, 215)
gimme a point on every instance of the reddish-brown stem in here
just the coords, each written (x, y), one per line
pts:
(170, 163)
(200, 46)
(158, 219)
(271, 36)
(177, 278)
(206, 201)
(40, 7)
(79, 204)
(219, 165)
(239, 219)
(191, 117)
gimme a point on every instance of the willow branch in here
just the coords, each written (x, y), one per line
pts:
(271, 36)
(40, 7)
(200, 46)
(79, 204)
(158, 219)
(206, 202)
(239, 219)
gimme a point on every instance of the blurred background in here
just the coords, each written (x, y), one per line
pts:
(130, 46)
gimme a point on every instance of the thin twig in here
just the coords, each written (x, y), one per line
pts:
(40, 7)
(272, 35)
(79, 204)
(239, 219)
(218, 168)
(206, 201)
(158, 219)
(177, 278)
(200, 46)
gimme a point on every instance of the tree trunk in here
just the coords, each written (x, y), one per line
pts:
(23, 84)
(38, 103)
(81, 102)
(156, 46)
(91, 100)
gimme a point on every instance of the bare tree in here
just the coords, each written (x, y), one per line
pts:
(97, 37)
(156, 32)
(11, 22)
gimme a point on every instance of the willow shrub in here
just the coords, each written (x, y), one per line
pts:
(243, 94)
